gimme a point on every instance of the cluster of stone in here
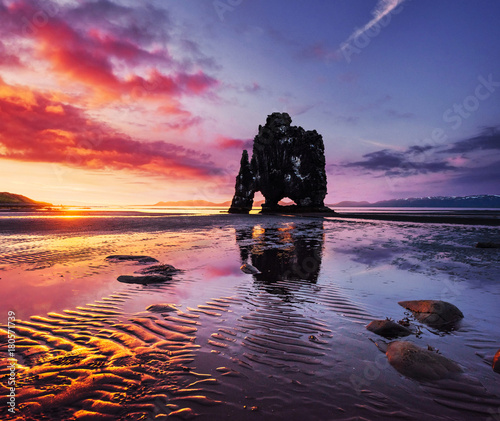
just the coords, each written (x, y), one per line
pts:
(287, 162)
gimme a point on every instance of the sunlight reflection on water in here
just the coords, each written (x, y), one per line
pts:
(294, 330)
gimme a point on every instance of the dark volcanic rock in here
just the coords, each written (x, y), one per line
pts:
(248, 268)
(162, 270)
(420, 364)
(488, 245)
(130, 258)
(150, 275)
(244, 189)
(144, 279)
(287, 161)
(162, 308)
(496, 362)
(435, 313)
(388, 328)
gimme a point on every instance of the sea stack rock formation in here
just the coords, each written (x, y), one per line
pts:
(287, 162)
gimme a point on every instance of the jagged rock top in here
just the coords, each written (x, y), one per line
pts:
(287, 161)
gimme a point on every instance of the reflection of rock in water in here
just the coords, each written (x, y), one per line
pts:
(283, 253)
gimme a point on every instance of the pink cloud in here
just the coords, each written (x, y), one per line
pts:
(231, 143)
(101, 56)
(37, 128)
(7, 59)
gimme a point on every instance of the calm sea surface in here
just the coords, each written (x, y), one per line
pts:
(288, 343)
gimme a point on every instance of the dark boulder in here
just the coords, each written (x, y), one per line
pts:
(419, 363)
(496, 362)
(131, 258)
(162, 270)
(244, 189)
(388, 328)
(488, 245)
(287, 162)
(162, 308)
(435, 313)
(151, 275)
(251, 270)
(144, 279)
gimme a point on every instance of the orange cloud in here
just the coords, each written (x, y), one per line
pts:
(56, 109)
(38, 129)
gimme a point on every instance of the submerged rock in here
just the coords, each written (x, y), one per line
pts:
(388, 328)
(248, 268)
(146, 279)
(161, 308)
(435, 313)
(131, 258)
(163, 270)
(496, 362)
(287, 161)
(151, 275)
(419, 363)
(488, 245)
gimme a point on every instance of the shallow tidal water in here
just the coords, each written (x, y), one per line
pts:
(287, 344)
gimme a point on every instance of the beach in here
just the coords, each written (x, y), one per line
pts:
(288, 343)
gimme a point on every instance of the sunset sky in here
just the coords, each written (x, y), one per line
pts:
(135, 102)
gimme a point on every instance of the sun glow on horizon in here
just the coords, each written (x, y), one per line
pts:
(141, 104)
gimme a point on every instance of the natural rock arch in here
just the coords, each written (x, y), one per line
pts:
(287, 161)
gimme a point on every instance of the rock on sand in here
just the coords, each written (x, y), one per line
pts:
(496, 362)
(131, 258)
(248, 268)
(162, 270)
(151, 275)
(388, 328)
(146, 279)
(419, 363)
(435, 313)
(162, 308)
(488, 245)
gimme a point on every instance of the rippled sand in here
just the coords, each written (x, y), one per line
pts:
(289, 343)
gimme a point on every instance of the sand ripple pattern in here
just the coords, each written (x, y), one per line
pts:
(99, 363)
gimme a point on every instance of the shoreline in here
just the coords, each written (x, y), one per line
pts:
(463, 219)
(425, 216)
(475, 217)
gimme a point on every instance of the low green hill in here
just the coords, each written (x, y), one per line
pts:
(18, 199)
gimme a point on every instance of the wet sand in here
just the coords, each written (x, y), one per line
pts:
(477, 217)
(287, 344)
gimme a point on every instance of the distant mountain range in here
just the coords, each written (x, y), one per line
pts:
(481, 201)
(11, 199)
(188, 203)
(205, 203)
